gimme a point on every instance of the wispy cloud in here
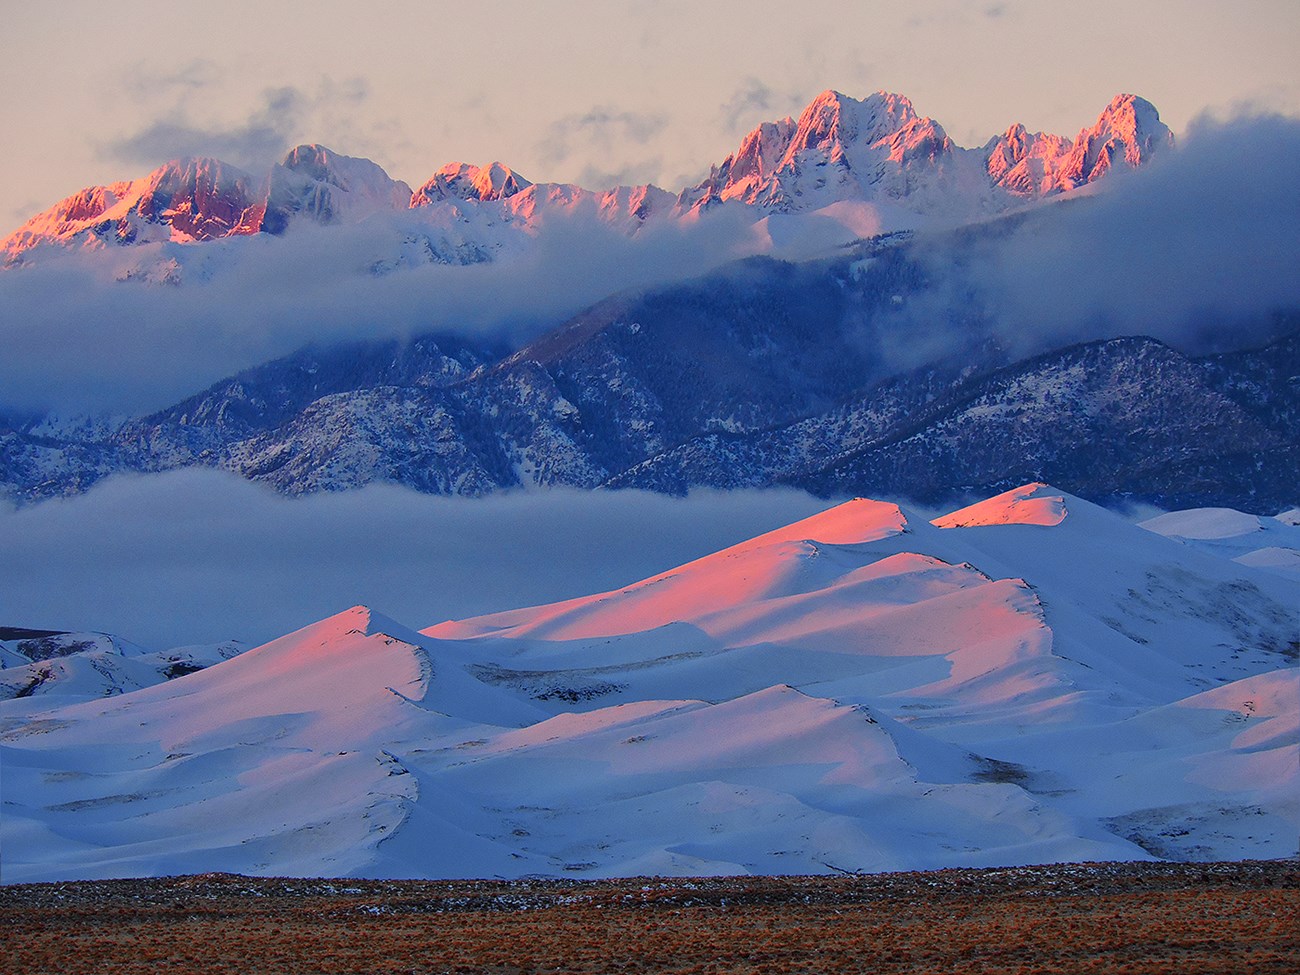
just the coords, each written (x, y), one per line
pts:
(1197, 249)
(280, 118)
(752, 99)
(616, 137)
(633, 174)
(75, 337)
(144, 82)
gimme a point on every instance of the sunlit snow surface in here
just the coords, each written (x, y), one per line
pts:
(1030, 679)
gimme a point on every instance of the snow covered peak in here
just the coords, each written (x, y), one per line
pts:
(461, 181)
(185, 200)
(327, 188)
(1126, 133)
(201, 199)
(69, 217)
(1026, 163)
(310, 159)
(880, 150)
(1133, 119)
(350, 173)
(635, 202)
(498, 181)
(836, 150)
(865, 163)
(833, 120)
(199, 175)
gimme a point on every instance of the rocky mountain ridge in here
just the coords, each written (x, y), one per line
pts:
(840, 149)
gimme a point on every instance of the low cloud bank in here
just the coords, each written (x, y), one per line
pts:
(200, 555)
(77, 338)
(1199, 249)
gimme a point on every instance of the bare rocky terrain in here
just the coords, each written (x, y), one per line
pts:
(1102, 917)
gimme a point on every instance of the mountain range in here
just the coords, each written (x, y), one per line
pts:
(840, 150)
(860, 370)
(763, 373)
(1028, 679)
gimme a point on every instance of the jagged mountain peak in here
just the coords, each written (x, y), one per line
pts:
(777, 160)
(497, 180)
(314, 160)
(835, 124)
(1128, 130)
(328, 187)
(198, 198)
(837, 117)
(880, 148)
(1130, 113)
(840, 149)
(463, 181)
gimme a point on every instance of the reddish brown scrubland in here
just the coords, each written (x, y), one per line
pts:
(1104, 918)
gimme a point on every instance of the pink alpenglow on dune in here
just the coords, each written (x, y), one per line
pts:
(1029, 504)
(854, 522)
(767, 567)
(855, 691)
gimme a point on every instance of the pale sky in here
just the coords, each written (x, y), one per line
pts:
(584, 91)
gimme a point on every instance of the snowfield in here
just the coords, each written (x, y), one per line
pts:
(1031, 679)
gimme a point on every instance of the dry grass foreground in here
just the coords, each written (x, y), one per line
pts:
(1148, 918)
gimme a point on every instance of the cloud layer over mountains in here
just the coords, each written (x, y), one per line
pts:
(200, 556)
(1197, 248)
(79, 338)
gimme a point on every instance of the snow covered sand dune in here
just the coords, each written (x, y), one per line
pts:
(1031, 679)
(273, 758)
(80, 666)
(1266, 543)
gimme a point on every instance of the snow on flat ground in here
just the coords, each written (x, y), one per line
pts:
(1032, 679)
